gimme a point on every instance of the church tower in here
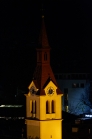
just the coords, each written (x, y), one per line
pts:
(44, 99)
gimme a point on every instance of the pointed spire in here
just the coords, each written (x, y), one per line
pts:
(43, 39)
(43, 72)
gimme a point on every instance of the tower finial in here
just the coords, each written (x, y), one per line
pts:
(42, 10)
(43, 39)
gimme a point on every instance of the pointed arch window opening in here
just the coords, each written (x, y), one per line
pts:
(47, 107)
(45, 56)
(50, 108)
(53, 106)
(39, 56)
(33, 107)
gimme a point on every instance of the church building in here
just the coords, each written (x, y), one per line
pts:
(44, 99)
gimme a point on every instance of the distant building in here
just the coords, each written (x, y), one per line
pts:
(76, 89)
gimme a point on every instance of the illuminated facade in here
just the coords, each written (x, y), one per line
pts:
(44, 99)
(76, 89)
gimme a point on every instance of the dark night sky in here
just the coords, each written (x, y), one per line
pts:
(69, 28)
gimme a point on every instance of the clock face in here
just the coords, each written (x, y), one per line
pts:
(32, 90)
(50, 91)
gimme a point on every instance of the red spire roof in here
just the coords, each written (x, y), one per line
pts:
(43, 72)
(43, 39)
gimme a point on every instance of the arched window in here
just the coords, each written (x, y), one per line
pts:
(39, 56)
(53, 106)
(47, 111)
(45, 56)
(33, 107)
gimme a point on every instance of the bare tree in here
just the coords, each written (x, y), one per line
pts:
(84, 105)
(76, 109)
(85, 100)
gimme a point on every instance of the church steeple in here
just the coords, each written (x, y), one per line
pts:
(43, 101)
(43, 72)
